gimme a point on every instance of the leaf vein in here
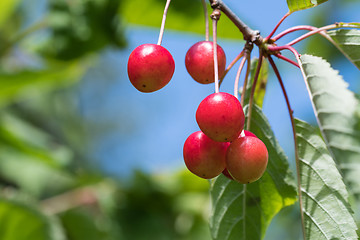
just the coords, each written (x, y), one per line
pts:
(220, 219)
(316, 224)
(322, 207)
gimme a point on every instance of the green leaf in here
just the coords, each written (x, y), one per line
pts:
(327, 213)
(7, 7)
(30, 81)
(296, 5)
(245, 211)
(20, 222)
(348, 42)
(337, 112)
(185, 15)
(260, 84)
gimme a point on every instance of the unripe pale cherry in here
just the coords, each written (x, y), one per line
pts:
(204, 157)
(221, 117)
(150, 67)
(246, 159)
(199, 62)
(226, 172)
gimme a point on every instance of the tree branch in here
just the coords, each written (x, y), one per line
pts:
(249, 34)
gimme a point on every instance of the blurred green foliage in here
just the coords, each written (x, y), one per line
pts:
(185, 15)
(7, 9)
(82, 26)
(20, 221)
(176, 208)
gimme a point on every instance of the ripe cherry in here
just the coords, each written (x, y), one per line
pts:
(150, 67)
(226, 172)
(246, 159)
(221, 117)
(203, 156)
(199, 61)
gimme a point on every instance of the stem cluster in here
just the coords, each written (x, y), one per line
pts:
(267, 47)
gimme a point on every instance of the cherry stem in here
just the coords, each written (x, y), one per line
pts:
(305, 27)
(248, 59)
(297, 160)
(287, 59)
(319, 30)
(280, 48)
(293, 29)
(253, 87)
(206, 15)
(236, 84)
(162, 28)
(277, 26)
(238, 57)
(286, 47)
(215, 17)
(313, 32)
(311, 28)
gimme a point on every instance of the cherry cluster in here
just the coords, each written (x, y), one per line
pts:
(222, 145)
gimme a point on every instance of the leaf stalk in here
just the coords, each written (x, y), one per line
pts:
(297, 160)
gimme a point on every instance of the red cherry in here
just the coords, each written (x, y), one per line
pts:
(246, 159)
(221, 117)
(199, 61)
(150, 67)
(203, 156)
(226, 172)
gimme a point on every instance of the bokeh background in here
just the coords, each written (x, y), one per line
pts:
(84, 155)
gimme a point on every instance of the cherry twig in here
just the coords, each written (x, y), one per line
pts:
(248, 33)
(162, 28)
